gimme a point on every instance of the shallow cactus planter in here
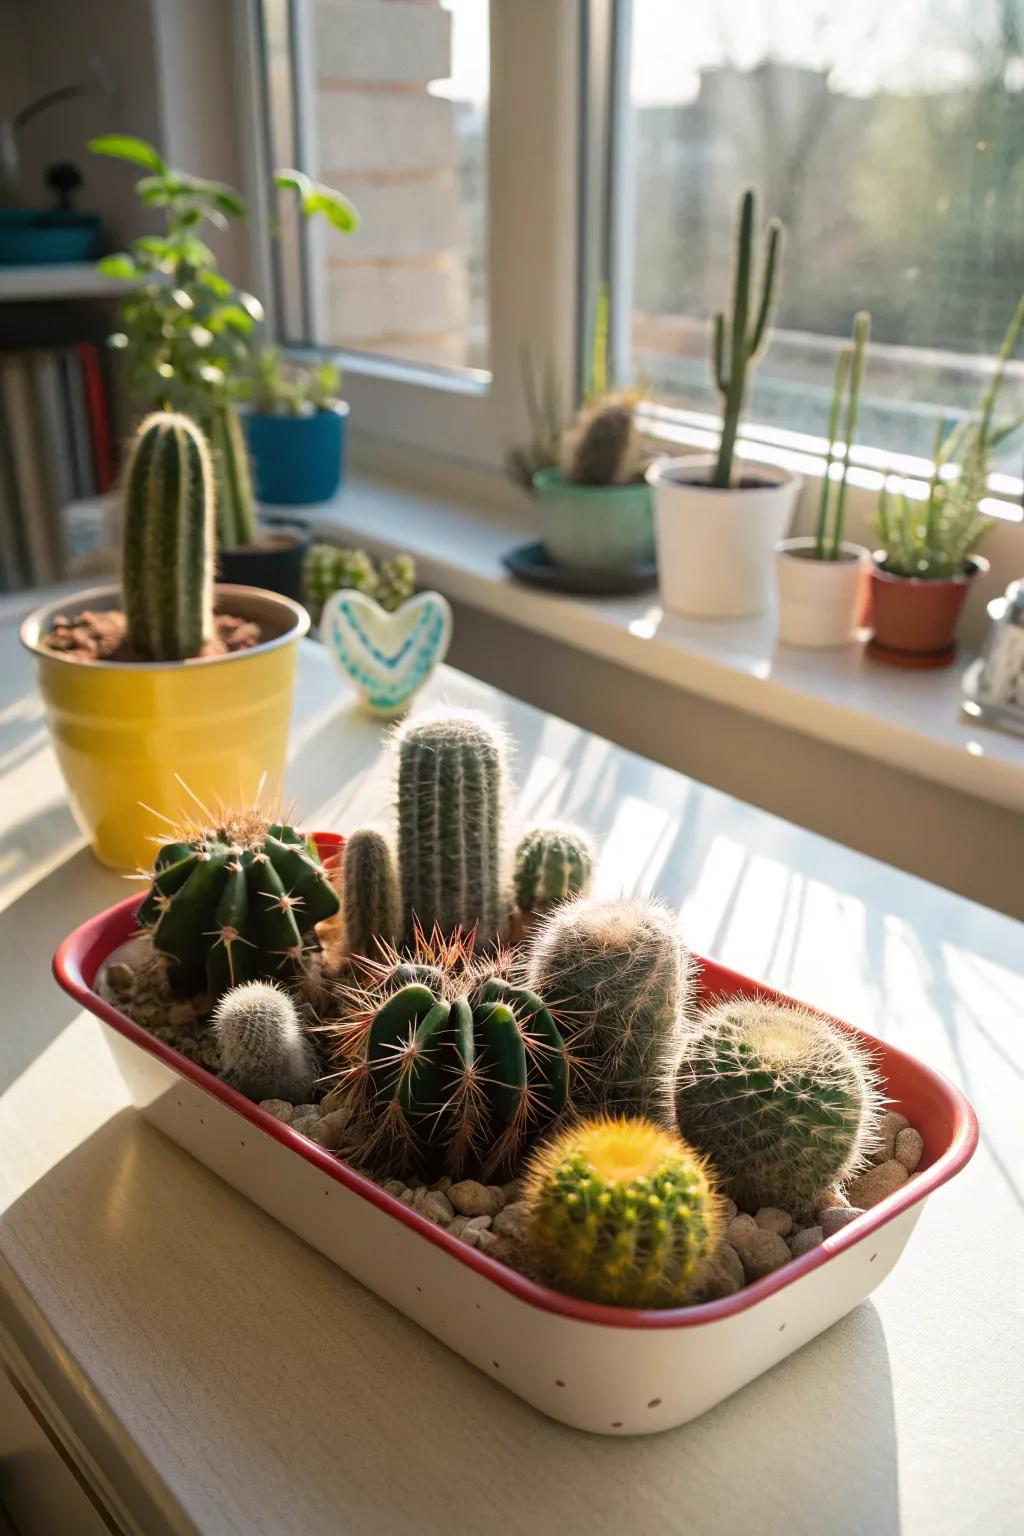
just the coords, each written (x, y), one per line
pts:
(130, 735)
(605, 1369)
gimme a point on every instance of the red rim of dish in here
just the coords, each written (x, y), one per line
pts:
(81, 954)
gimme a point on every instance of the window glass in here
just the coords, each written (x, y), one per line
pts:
(888, 135)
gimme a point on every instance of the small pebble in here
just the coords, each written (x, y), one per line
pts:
(487, 1241)
(731, 1210)
(878, 1182)
(307, 1124)
(120, 977)
(774, 1219)
(472, 1199)
(714, 1277)
(433, 1204)
(394, 1187)
(443, 1184)
(837, 1217)
(279, 1108)
(458, 1225)
(511, 1221)
(827, 1199)
(760, 1252)
(478, 1224)
(407, 1196)
(804, 1241)
(330, 1129)
(306, 1109)
(512, 1191)
(909, 1148)
(498, 1191)
(740, 1228)
(892, 1124)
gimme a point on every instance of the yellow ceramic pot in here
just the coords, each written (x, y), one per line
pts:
(131, 736)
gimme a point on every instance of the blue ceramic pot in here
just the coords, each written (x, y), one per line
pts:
(595, 527)
(297, 460)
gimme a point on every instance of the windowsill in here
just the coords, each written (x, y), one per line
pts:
(908, 720)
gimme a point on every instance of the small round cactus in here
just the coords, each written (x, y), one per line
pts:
(264, 1052)
(783, 1102)
(552, 863)
(618, 977)
(621, 1211)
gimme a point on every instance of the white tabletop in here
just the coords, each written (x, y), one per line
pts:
(210, 1373)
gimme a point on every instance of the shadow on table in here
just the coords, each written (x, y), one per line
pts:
(248, 1369)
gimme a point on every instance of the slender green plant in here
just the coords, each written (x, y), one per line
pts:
(849, 377)
(745, 340)
(933, 539)
(283, 388)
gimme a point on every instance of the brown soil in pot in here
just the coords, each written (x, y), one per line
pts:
(103, 636)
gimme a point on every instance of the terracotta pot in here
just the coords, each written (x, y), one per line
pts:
(915, 619)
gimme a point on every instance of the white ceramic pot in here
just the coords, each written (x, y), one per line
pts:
(820, 601)
(716, 547)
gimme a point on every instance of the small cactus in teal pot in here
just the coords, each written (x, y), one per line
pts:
(168, 539)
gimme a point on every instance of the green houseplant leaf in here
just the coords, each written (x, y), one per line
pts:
(124, 146)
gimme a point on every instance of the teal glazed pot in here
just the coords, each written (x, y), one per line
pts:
(595, 527)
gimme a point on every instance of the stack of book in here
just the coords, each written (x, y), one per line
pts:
(54, 450)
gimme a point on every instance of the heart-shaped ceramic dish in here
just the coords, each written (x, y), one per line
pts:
(387, 657)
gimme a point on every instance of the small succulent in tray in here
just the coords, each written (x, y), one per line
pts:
(621, 1211)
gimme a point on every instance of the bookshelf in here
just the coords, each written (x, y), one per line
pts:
(64, 280)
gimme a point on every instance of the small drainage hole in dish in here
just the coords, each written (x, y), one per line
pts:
(497, 1367)
(873, 1257)
(655, 1402)
(559, 1383)
(782, 1327)
(617, 1424)
(420, 1289)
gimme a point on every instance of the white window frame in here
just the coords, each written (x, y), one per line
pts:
(532, 222)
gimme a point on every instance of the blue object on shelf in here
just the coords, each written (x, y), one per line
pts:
(297, 460)
(36, 238)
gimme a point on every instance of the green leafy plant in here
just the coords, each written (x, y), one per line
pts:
(828, 541)
(281, 387)
(328, 569)
(934, 539)
(744, 339)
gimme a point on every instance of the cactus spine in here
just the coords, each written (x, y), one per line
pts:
(263, 1050)
(233, 903)
(436, 1083)
(782, 1101)
(167, 564)
(618, 978)
(551, 864)
(621, 1211)
(236, 507)
(746, 336)
(370, 893)
(451, 773)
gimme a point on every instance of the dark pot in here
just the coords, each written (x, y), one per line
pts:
(914, 619)
(297, 460)
(275, 563)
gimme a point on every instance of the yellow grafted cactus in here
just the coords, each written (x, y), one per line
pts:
(621, 1211)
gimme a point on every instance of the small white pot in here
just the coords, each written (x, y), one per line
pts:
(820, 601)
(715, 547)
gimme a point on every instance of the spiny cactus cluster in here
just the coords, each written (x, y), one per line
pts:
(327, 570)
(167, 563)
(747, 331)
(451, 810)
(621, 1211)
(264, 1051)
(233, 902)
(370, 892)
(236, 502)
(551, 864)
(442, 1072)
(618, 978)
(783, 1102)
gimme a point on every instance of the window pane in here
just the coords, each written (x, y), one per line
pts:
(888, 135)
(393, 99)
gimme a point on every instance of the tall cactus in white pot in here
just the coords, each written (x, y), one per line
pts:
(717, 520)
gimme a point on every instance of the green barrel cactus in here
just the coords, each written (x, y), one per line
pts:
(396, 582)
(264, 1051)
(167, 558)
(621, 1211)
(236, 503)
(551, 864)
(370, 893)
(436, 1084)
(618, 978)
(783, 1102)
(235, 903)
(451, 790)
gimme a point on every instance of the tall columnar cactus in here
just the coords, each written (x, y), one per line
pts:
(551, 864)
(451, 787)
(747, 331)
(783, 1102)
(440, 1084)
(167, 562)
(602, 448)
(235, 902)
(618, 978)
(370, 893)
(264, 1052)
(621, 1211)
(236, 506)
